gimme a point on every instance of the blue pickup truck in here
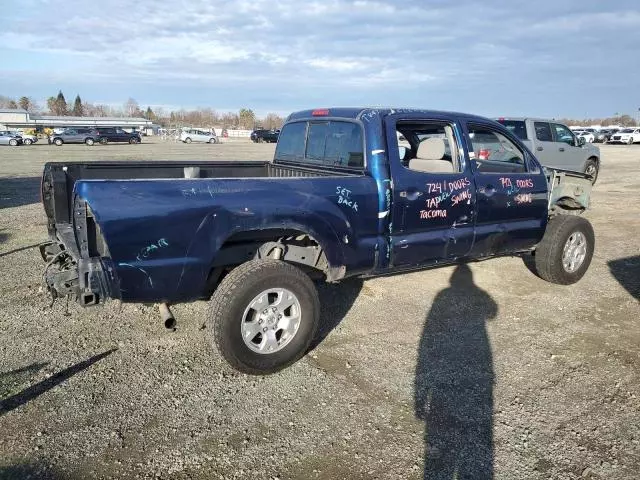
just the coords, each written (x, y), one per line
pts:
(350, 192)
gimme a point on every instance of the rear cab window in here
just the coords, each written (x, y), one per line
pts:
(516, 127)
(322, 142)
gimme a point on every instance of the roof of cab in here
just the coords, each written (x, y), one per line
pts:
(360, 112)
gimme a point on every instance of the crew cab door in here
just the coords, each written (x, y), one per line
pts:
(569, 152)
(433, 193)
(511, 190)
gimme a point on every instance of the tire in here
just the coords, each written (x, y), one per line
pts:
(592, 169)
(104, 141)
(547, 259)
(213, 140)
(187, 140)
(13, 142)
(27, 141)
(89, 141)
(132, 141)
(630, 141)
(58, 142)
(230, 308)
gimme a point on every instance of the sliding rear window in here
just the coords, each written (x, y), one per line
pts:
(330, 143)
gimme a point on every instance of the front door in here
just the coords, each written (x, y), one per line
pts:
(433, 191)
(570, 153)
(511, 192)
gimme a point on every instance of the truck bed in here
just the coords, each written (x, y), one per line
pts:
(59, 177)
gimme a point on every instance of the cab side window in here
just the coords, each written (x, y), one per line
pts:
(563, 134)
(427, 146)
(543, 131)
(492, 152)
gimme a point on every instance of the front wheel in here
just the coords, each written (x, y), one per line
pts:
(564, 254)
(213, 140)
(187, 140)
(58, 142)
(591, 169)
(13, 142)
(104, 140)
(630, 141)
(28, 141)
(264, 315)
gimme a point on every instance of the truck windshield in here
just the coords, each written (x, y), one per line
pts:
(331, 142)
(517, 127)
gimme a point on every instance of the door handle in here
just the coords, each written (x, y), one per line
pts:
(411, 194)
(539, 149)
(488, 190)
(561, 149)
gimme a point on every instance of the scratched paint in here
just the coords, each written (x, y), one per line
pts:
(149, 249)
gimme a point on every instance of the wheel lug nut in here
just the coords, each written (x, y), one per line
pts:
(260, 321)
(264, 329)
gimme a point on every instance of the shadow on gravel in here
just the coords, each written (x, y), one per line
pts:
(16, 250)
(3, 236)
(335, 302)
(18, 191)
(627, 272)
(454, 382)
(33, 469)
(28, 394)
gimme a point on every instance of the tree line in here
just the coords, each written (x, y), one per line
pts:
(617, 119)
(57, 105)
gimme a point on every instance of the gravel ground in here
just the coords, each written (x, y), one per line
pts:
(476, 371)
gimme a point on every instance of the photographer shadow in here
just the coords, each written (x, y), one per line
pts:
(454, 382)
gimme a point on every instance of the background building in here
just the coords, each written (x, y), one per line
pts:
(16, 118)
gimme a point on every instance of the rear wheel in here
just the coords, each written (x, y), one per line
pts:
(264, 315)
(104, 140)
(89, 141)
(564, 254)
(213, 140)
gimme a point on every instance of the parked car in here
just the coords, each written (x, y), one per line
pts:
(10, 138)
(600, 136)
(75, 135)
(196, 135)
(250, 236)
(626, 135)
(588, 136)
(27, 139)
(117, 135)
(555, 145)
(262, 135)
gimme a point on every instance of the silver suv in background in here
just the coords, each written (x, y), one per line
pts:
(197, 135)
(75, 135)
(555, 145)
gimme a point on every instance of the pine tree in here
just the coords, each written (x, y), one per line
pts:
(60, 105)
(78, 109)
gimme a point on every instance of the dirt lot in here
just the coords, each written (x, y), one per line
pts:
(488, 370)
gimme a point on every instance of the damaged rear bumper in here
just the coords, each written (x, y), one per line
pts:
(89, 281)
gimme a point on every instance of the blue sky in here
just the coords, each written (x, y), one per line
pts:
(542, 57)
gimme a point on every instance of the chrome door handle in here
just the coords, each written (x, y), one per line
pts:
(539, 149)
(561, 149)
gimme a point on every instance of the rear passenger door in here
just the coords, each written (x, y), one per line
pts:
(433, 193)
(511, 192)
(545, 147)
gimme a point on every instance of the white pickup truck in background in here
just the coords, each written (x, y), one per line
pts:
(555, 145)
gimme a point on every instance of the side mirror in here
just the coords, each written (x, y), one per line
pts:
(581, 141)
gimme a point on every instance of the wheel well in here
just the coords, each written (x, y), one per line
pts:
(296, 247)
(594, 158)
